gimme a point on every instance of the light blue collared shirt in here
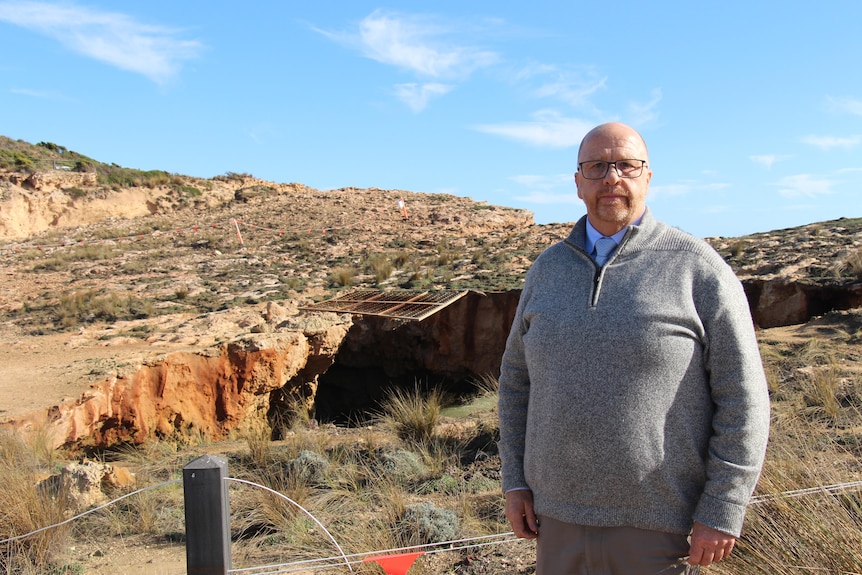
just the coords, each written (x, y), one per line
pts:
(593, 235)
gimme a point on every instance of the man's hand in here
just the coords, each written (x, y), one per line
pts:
(520, 513)
(708, 545)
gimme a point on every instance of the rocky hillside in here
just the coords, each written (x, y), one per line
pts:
(146, 284)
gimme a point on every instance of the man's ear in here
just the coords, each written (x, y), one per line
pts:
(577, 185)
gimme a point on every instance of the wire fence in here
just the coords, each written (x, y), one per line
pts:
(343, 560)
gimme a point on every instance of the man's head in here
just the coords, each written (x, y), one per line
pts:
(617, 198)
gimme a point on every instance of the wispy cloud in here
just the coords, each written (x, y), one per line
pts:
(548, 128)
(545, 189)
(563, 122)
(544, 182)
(420, 45)
(417, 96)
(545, 197)
(156, 52)
(767, 160)
(848, 105)
(685, 188)
(573, 86)
(829, 142)
(804, 185)
(645, 113)
(35, 94)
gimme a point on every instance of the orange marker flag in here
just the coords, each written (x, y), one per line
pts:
(396, 564)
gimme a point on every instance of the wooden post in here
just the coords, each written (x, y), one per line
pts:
(207, 516)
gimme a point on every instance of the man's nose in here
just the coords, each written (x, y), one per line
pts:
(612, 174)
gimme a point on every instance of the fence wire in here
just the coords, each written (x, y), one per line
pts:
(343, 559)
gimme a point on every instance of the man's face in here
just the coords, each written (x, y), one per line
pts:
(613, 202)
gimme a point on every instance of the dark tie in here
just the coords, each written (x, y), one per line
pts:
(604, 247)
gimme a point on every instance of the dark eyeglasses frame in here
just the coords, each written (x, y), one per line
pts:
(614, 164)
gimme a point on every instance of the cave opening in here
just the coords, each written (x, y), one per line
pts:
(452, 351)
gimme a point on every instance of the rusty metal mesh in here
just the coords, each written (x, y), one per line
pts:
(399, 304)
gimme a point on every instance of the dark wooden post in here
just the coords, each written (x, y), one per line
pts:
(207, 516)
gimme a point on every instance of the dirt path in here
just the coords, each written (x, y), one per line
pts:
(40, 372)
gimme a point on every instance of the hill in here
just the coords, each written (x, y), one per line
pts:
(112, 274)
(103, 264)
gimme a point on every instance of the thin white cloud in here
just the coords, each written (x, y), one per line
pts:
(34, 93)
(114, 38)
(767, 160)
(571, 86)
(847, 105)
(418, 44)
(829, 142)
(548, 128)
(546, 189)
(685, 188)
(542, 182)
(804, 185)
(642, 114)
(716, 209)
(417, 96)
(548, 197)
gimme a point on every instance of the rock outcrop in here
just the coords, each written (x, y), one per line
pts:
(108, 295)
(205, 394)
(785, 301)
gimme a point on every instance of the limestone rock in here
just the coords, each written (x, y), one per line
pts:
(185, 394)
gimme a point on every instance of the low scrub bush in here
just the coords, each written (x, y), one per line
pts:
(342, 277)
(425, 523)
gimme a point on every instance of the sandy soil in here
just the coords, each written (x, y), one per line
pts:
(41, 372)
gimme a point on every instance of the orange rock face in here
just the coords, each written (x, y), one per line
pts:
(187, 394)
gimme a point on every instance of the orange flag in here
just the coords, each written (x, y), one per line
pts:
(396, 564)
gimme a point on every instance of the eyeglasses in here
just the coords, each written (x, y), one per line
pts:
(596, 170)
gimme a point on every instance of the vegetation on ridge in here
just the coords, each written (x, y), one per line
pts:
(374, 484)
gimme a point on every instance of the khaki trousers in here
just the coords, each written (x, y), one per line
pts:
(567, 549)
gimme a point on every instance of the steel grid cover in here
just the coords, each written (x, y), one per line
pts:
(397, 304)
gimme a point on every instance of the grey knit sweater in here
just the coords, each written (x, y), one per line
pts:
(634, 394)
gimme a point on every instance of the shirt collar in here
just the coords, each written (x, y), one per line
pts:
(593, 234)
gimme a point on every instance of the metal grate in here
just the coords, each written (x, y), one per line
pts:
(398, 304)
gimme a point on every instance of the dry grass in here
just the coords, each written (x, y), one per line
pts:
(411, 414)
(25, 506)
(850, 265)
(810, 532)
(416, 476)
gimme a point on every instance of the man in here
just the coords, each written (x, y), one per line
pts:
(633, 407)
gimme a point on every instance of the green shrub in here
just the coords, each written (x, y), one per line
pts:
(423, 523)
(309, 467)
(16, 161)
(400, 465)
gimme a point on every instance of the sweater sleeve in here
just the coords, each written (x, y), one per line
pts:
(514, 394)
(740, 426)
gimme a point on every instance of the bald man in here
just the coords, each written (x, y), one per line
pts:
(634, 410)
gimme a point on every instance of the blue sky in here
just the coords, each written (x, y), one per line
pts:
(752, 110)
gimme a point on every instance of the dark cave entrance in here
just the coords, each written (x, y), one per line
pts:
(453, 351)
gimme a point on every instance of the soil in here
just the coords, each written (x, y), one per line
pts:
(41, 366)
